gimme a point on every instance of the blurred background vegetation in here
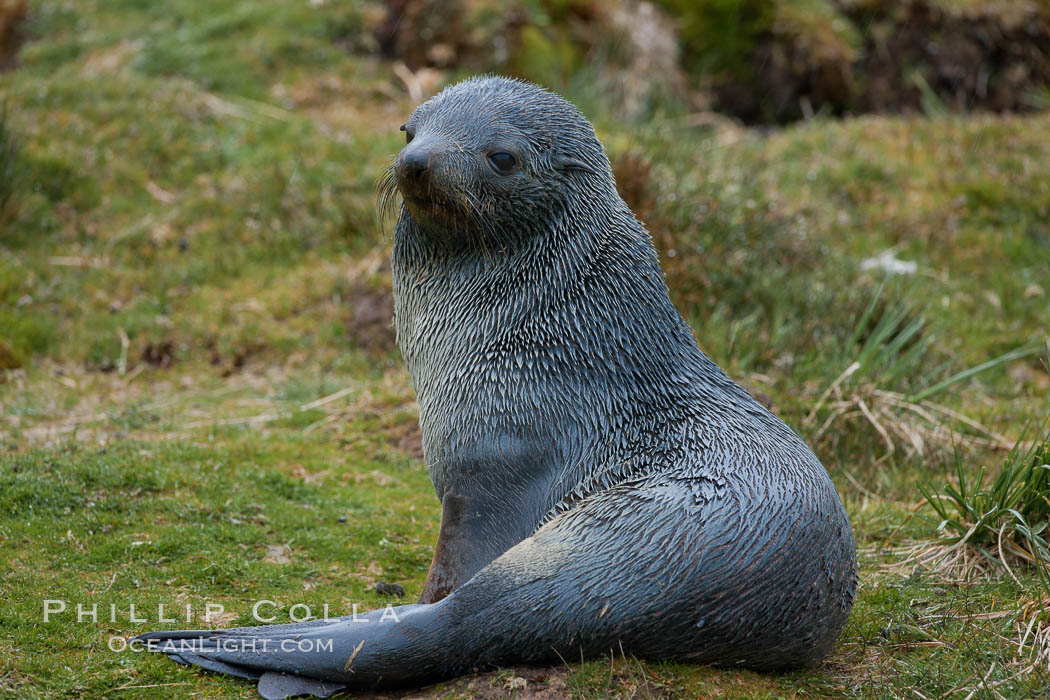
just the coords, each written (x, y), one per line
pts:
(200, 393)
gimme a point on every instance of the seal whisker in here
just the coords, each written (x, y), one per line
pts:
(473, 223)
(386, 194)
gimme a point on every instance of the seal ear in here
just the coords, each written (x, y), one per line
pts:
(566, 163)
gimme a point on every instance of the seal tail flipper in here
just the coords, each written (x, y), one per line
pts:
(272, 685)
(189, 658)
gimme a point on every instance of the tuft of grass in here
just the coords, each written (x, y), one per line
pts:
(986, 531)
(992, 529)
(890, 379)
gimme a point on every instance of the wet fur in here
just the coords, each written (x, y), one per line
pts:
(604, 484)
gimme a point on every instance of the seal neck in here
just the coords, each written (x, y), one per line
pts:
(593, 268)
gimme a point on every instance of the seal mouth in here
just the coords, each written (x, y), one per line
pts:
(447, 205)
(431, 198)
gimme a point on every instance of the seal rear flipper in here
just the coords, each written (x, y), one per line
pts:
(191, 659)
(272, 685)
(315, 658)
(277, 686)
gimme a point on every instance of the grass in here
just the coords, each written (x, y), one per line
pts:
(988, 531)
(887, 385)
(202, 402)
(1004, 524)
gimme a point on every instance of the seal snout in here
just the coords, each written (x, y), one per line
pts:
(414, 170)
(422, 176)
(414, 164)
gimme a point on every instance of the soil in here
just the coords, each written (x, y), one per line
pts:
(914, 56)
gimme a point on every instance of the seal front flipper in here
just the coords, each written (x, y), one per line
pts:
(461, 551)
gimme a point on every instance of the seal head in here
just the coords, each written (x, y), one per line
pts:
(488, 156)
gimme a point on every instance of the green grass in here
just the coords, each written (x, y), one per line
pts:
(189, 257)
(1006, 521)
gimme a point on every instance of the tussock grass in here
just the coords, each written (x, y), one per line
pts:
(888, 384)
(989, 530)
(994, 531)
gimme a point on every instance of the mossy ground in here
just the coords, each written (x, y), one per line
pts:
(207, 409)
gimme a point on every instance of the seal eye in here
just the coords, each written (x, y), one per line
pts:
(502, 162)
(409, 135)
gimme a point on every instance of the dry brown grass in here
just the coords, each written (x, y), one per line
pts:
(1033, 631)
(919, 428)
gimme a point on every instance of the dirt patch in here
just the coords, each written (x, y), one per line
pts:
(406, 436)
(376, 476)
(231, 360)
(161, 355)
(762, 61)
(631, 47)
(8, 358)
(278, 554)
(522, 682)
(993, 56)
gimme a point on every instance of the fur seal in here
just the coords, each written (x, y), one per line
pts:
(603, 484)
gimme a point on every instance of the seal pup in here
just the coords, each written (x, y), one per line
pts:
(603, 484)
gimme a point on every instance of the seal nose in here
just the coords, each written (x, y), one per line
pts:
(415, 163)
